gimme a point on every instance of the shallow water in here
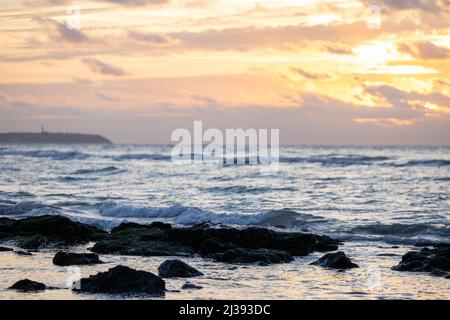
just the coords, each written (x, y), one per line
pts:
(298, 280)
(367, 197)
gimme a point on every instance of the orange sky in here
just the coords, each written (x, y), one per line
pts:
(137, 69)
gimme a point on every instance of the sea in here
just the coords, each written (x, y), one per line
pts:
(379, 201)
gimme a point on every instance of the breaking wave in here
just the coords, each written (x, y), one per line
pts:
(51, 154)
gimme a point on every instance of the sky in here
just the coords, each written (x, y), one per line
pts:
(328, 72)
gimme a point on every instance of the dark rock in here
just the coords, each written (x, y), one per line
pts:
(335, 260)
(35, 232)
(131, 226)
(214, 245)
(189, 285)
(435, 260)
(28, 285)
(136, 246)
(177, 269)
(33, 242)
(122, 280)
(262, 256)
(160, 239)
(71, 259)
(3, 249)
(299, 244)
(56, 228)
(23, 253)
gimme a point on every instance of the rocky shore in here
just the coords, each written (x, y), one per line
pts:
(249, 246)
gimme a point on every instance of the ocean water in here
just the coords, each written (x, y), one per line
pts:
(372, 198)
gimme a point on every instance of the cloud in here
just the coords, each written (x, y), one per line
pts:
(98, 66)
(309, 75)
(339, 50)
(59, 31)
(138, 3)
(401, 99)
(106, 97)
(429, 50)
(425, 50)
(426, 5)
(148, 37)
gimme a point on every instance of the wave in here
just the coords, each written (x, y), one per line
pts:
(247, 189)
(18, 194)
(51, 154)
(404, 230)
(70, 178)
(341, 160)
(142, 156)
(88, 171)
(425, 163)
(189, 216)
(26, 208)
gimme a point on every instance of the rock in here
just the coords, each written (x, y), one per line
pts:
(436, 261)
(335, 260)
(138, 246)
(261, 256)
(71, 259)
(123, 280)
(189, 285)
(28, 285)
(4, 249)
(130, 226)
(177, 269)
(160, 239)
(213, 245)
(23, 253)
(299, 244)
(39, 231)
(32, 242)
(56, 228)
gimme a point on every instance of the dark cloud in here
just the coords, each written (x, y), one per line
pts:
(106, 97)
(59, 31)
(309, 75)
(426, 5)
(137, 3)
(98, 66)
(425, 50)
(148, 37)
(339, 50)
(407, 99)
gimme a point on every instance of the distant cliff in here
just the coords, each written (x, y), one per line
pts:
(50, 137)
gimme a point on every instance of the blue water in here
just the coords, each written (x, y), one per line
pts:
(389, 194)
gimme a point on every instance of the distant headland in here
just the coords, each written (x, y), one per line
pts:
(52, 137)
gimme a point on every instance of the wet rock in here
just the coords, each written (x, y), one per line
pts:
(177, 269)
(335, 260)
(189, 285)
(71, 259)
(33, 242)
(131, 226)
(138, 246)
(4, 249)
(213, 245)
(160, 239)
(299, 244)
(123, 280)
(261, 256)
(35, 232)
(23, 253)
(436, 261)
(56, 228)
(28, 285)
